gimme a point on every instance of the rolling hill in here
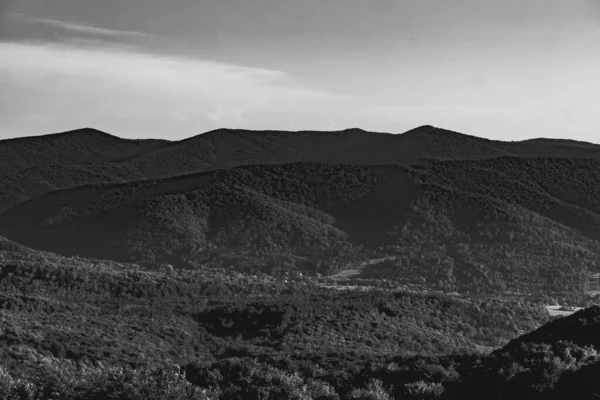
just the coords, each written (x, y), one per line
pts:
(580, 328)
(502, 223)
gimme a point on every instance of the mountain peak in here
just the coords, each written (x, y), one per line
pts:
(422, 129)
(88, 130)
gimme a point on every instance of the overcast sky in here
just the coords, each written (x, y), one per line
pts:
(505, 69)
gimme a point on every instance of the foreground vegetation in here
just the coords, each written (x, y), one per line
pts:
(74, 328)
(535, 371)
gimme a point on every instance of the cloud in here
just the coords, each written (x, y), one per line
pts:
(124, 90)
(78, 27)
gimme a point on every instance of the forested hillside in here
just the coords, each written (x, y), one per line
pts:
(297, 265)
(74, 328)
(32, 166)
(502, 224)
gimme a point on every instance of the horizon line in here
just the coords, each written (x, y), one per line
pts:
(417, 128)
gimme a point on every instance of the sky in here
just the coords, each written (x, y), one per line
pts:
(500, 69)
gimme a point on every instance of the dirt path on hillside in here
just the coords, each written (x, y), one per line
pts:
(355, 271)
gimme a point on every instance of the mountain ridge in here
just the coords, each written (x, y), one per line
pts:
(36, 165)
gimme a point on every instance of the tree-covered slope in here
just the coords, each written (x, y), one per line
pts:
(32, 166)
(81, 329)
(505, 223)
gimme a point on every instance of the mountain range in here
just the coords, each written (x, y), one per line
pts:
(31, 166)
(298, 265)
(445, 209)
